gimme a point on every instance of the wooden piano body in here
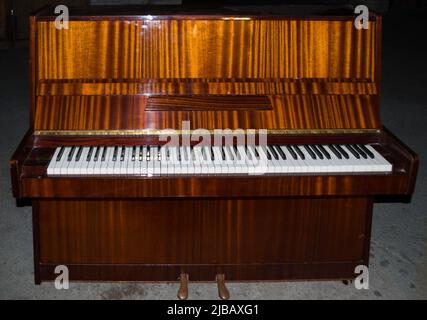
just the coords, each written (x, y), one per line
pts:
(119, 78)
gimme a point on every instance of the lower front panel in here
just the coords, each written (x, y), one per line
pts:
(247, 239)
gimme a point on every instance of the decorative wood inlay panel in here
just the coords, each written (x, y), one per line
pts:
(208, 103)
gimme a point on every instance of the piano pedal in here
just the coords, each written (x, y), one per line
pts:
(347, 282)
(183, 287)
(223, 292)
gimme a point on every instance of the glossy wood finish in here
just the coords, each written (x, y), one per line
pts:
(204, 232)
(208, 103)
(293, 112)
(319, 74)
(314, 76)
(206, 49)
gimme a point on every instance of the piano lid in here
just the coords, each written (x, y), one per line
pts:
(98, 12)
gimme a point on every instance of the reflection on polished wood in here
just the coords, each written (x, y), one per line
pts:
(119, 79)
(289, 112)
(217, 49)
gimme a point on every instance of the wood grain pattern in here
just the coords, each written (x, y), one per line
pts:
(203, 231)
(128, 112)
(319, 74)
(116, 73)
(206, 87)
(164, 49)
(208, 103)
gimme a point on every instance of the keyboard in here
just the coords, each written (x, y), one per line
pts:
(215, 160)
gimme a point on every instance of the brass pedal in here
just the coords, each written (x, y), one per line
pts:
(223, 292)
(183, 287)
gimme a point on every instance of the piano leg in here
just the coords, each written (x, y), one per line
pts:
(244, 239)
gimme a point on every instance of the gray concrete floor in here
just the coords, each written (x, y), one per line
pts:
(398, 268)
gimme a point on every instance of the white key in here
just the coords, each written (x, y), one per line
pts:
(383, 164)
(81, 164)
(163, 160)
(258, 166)
(107, 165)
(218, 163)
(98, 162)
(229, 159)
(176, 161)
(242, 159)
(53, 163)
(73, 165)
(269, 165)
(338, 164)
(116, 162)
(184, 164)
(133, 161)
(283, 163)
(143, 160)
(210, 162)
(91, 164)
(196, 155)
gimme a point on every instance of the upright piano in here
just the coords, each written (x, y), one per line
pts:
(187, 144)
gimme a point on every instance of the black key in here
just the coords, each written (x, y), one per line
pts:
(89, 154)
(141, 152)
(353, 152)
(116, 150)
(342, 151)
(335, 151)
(122, 154)
(178, 149)
(223, 153)
(159, 154)
(70, 155)
(167, 153)
(281, 153)
(273, 151)
(148, 154)
(79, 153)
(292, 152)
(323, 150)
(98, 150)
(360, 151)
(256, 153)
(367, 151)
(317, 151)
(268, 154)
(133, 153)
(104, 154)
(61, 152)
(310, 152)
(299, 152)
(212, 155)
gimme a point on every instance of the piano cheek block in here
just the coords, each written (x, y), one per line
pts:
(112, 203)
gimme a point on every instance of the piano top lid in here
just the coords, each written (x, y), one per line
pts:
(96, 12)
